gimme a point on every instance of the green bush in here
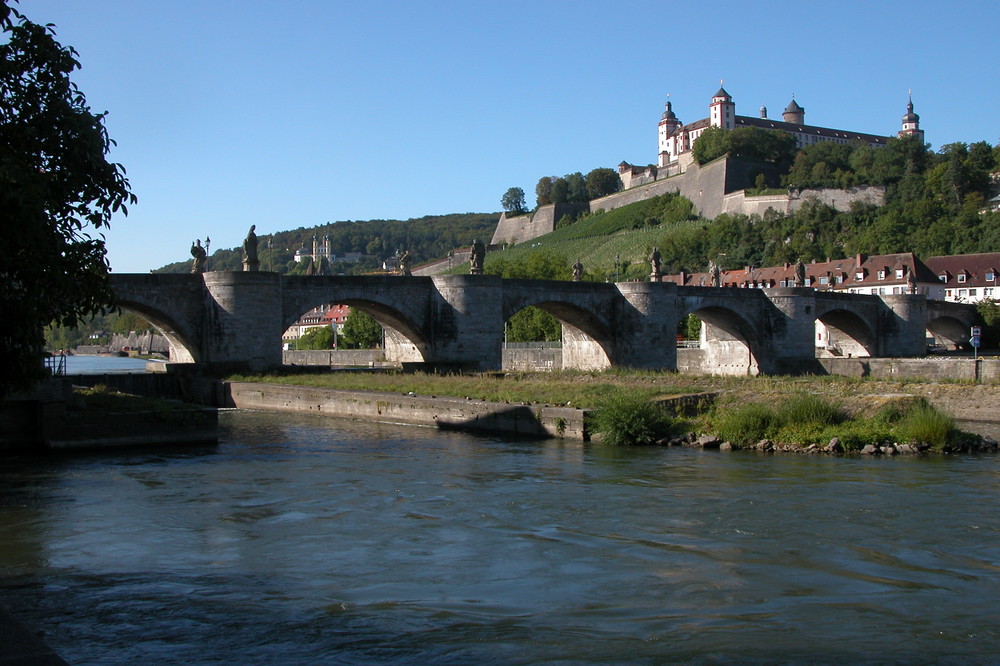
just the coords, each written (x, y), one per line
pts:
(627, 418)
(805, 408)
(747, 424)
(926, 424)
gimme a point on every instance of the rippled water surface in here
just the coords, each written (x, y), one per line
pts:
(301, 540)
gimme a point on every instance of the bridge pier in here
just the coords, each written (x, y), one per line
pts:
(645, 332)
(904, 325)
(466, 322)
(243, 324)
(791, 349)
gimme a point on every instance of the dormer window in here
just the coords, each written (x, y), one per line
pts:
(961, 277)
(991, 276)
(899, 273)
(943, 277)
(881, 275)
(859, 276)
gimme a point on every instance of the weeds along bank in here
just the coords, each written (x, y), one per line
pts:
(834, 414)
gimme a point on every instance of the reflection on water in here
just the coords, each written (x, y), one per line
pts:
(303, 540)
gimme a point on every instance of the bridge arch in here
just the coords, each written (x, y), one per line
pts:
(842, 332)
(729, 343)
(949, 331)
(586, 342)
(405, 340)
(183, 348)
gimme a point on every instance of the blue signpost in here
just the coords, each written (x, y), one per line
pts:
(975, 339)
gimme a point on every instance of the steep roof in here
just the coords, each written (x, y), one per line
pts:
(974, 266)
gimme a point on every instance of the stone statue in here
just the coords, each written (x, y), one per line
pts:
(577, 271)
(404, 263)
(250, 261)
(714, 274)
(800, 274)
(911, 282)
(199, 257)
(654, 265)
(477, 255)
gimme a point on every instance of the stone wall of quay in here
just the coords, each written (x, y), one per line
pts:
(984, 370)
(333, 358)
(439, 412)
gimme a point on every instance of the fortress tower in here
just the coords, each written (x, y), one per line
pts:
(911, 122)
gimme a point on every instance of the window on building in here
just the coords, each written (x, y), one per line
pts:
(899, 273)
(972, 293)
(991, 276)
(988, 292)
(809, 282)
(881, 291)
(962, 293)
(824, 280)
(944, 277)
(947, 293)
(961, 277)
(840, 279)
(881, 275)
(859, 276)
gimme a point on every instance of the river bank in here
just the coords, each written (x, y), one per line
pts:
(558, 406)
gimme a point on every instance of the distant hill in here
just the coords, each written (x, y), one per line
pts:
(429, 237)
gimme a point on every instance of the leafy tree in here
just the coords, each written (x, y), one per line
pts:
(128, 322)
(56, 189)
(513, 200)
(543, 190)
(602, 182)
(319, 337)
(361, 331)
(576, 188)
(533, 325)
(559, 193)
(710, 144)
(989, 310)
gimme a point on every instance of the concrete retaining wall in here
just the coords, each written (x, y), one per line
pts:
(532, 360)
(333, 357)
(444, 413)
(986, 371)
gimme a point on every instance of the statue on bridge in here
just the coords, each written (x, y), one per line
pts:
(714, 274)
(404, 264)
(654, 265)
(199, 257)
(577, 271)
(477, 257)
(800, 274)
(250, 260)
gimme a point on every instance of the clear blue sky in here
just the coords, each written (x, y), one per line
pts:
(291, 114)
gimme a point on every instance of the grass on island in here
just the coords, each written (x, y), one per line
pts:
(100, 399)
(787, 410)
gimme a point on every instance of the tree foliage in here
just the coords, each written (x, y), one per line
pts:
(57, 190)
(318, 337)
(361, 331)
(773, 146)
(513, 200)
(602, 182)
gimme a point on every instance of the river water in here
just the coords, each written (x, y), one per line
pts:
(309, 540)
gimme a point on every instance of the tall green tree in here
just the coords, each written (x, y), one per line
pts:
(513, 200)
(57, 194)
(602, 182)
(361, 331)
(543, 190)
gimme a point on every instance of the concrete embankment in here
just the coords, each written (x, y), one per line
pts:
(441, 412)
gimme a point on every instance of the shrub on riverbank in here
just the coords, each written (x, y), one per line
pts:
(629, 418)
(807, 419)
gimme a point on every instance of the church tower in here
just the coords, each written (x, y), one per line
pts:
(722, 110)
(911, 123)
(669, 124)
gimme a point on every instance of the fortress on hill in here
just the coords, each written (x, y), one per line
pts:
(719, 186)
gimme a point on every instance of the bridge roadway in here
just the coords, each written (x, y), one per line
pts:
(237, 319)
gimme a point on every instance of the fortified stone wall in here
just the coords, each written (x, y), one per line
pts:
(520, 228)
(715, 188)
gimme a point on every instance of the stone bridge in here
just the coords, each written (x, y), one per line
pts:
(457, 321)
